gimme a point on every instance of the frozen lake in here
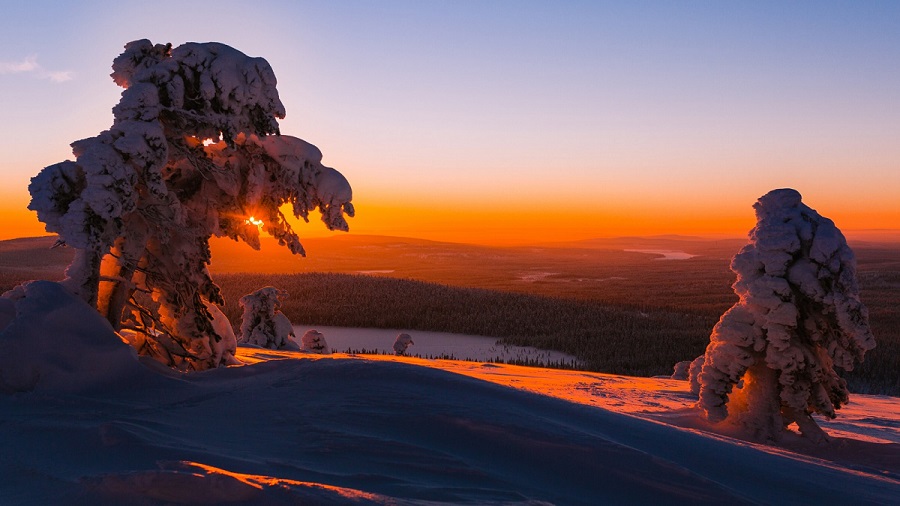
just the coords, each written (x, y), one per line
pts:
(667, 254)
(432, 344)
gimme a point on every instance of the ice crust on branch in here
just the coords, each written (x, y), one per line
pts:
(194, 151)
(262, 324)
(772, 356)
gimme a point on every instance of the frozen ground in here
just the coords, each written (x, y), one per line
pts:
(83, 421)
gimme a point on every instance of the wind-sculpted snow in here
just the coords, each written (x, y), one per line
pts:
(772, 357)
(413, 435)
(194, 152)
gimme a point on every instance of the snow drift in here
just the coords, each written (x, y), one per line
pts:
(52, 340)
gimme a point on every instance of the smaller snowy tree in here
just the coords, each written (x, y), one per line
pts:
(313, 341)
(771, 358)
(402, 343)
(681, 370)
(262, 324)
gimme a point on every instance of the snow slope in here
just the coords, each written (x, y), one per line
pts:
(294, 428)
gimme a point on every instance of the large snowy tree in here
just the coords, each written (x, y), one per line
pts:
(194, 152)
(771, 358)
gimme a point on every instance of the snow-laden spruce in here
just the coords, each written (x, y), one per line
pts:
(402, 343)
(194, 151)
(313, 341)
(262, 324)
(799, 316)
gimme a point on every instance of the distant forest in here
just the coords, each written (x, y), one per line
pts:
(612, 339)
(618, 313)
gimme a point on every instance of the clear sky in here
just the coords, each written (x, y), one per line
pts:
(512, 121)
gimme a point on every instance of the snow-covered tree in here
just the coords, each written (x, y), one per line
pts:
(262, 324)
(313, 341)
(771, 358)
(402, 343)
(681, 370)
(194, 152)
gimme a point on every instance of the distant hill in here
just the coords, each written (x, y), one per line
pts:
(32, 257)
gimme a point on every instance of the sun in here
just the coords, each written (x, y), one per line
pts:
(253, 221)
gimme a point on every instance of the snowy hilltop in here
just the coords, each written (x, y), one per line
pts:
(125, 383)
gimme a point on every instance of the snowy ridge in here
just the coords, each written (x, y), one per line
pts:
(291, 427)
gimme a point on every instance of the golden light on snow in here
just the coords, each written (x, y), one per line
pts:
(242, 486)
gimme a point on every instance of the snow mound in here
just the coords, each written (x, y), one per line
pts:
(56, 341)
(299, 428)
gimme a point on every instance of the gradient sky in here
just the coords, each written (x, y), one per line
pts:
(513, 121)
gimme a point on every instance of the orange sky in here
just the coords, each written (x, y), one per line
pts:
(515, 225)
(468, 124)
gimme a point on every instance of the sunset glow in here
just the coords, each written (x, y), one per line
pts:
(605, 121)
(253, 221)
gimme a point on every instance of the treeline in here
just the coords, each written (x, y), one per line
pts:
(528, 362)
(622, 339)
(618, 339)
(604, 338)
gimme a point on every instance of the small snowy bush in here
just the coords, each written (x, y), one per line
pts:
(313, 341)
(771, 358)
(681, 371)
(194, 151)
(262, 324)
(402, 343)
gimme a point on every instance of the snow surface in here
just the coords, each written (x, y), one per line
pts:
(295, 428)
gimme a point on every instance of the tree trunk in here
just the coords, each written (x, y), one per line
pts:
(119, 273)
(83, 275)
(756, 406)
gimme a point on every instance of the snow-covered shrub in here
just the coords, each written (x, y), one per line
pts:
(798, 318)
(694, 374)
(402, 343)
(226, 346)
(313, 341)
(681, 370)
(262, 324)
(190, 154)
